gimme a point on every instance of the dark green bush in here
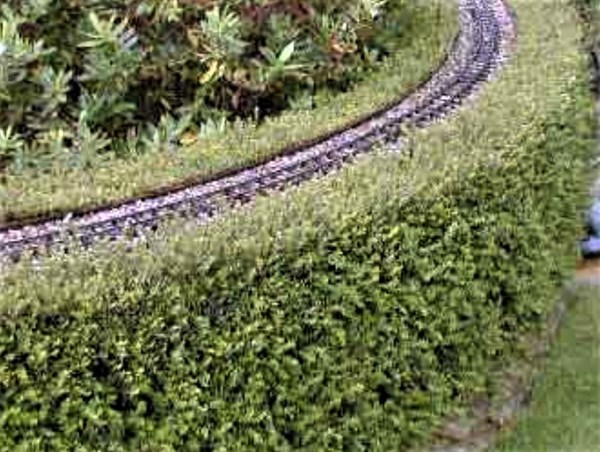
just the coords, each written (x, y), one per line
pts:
(352, 319)
(89, 78)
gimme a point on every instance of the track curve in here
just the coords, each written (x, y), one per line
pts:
(487, 31)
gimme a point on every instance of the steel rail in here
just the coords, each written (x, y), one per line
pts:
(487, 31)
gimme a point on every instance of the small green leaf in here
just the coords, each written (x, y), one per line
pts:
(287, 52)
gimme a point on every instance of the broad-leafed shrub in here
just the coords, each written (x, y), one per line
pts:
(89, 78)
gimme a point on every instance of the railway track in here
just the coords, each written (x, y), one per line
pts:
(482, 46)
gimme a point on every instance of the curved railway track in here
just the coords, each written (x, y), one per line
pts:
(482, 46)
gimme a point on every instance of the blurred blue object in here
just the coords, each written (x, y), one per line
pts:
(594, 218)
(590, 247)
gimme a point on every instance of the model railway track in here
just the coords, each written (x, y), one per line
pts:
(478, 52)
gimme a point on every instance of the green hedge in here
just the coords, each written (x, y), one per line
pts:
(351, 313)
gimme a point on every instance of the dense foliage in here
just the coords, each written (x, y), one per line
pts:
(347, 316)
(80, 79)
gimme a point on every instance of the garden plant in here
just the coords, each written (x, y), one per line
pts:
(83, 80)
